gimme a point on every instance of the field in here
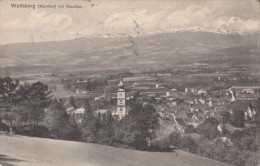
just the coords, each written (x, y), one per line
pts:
(27, 151)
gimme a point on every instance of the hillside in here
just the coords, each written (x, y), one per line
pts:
(169, 48)
(27, 151)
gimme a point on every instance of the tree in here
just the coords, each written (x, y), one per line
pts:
(238, 118)
(106, 132)
(72, 102)
(253, 160)
(74, 133)
(212, 121)
(137, 129)
(190, 129)
(175, 140)
(187, 143)
(244, 140)
(87, 126)
(57, 120)
(208, 130)
(11, 95)
(226, 117)
(38, 99)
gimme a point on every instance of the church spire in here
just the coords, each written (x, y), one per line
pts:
(121, 84)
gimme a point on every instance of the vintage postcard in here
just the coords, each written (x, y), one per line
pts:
(129, 82)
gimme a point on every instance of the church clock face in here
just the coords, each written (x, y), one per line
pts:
(121, 95)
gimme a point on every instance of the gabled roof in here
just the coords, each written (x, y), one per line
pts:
(239, 105)
(200, 106)
(80, 111)
(189, 114)
(102, 111)
(180, 114)
(180, 121)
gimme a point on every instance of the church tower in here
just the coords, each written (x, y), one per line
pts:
(121, 98)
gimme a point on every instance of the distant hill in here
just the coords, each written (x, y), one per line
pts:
(27, 151)
(171, 48)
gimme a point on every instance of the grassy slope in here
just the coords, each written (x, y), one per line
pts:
(27, 151)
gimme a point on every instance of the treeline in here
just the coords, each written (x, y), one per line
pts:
(88, 85)
(31, 110)
(22, 104)
(237, 151)
(238, 148)
(136, 130)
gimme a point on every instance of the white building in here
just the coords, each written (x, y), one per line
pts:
(202, 91)
(121, 100)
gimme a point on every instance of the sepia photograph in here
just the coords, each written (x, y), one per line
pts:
(129, 82)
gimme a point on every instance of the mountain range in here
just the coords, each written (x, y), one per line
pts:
(174, 47)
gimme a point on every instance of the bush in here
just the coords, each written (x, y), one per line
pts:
(189, 144)
(33, 131)
(253, 160)
(190, 129)
(175, 140)
(4, 127)
(238, 118)
(162, 145)
(208, 130)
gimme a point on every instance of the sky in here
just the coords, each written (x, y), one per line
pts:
(112, 17)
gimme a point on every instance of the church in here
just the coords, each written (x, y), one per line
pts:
(121, 100)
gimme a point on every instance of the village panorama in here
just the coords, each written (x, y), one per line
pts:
(197, 108)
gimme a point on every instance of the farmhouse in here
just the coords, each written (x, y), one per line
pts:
(202, 91)
(246, 93)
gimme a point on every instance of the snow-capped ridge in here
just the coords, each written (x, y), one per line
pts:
(175, 30)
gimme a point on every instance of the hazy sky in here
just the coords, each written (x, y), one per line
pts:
(122, 16)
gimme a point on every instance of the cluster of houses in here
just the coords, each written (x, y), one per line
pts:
(194, 105)
(179, 109)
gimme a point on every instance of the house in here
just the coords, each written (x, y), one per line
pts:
(167, 94)
(155, 92)
(239, 105)
(250, 112)
(202, 101)
(103, 96)
(225, 140)
(192, 119)
(200, 110)
(251, 91)
(227, 127)
(200, 106)
(110, 95)
(242, 96)
(189, 101)
(80, 111)
(171, 95)
(202, 91)
(179, 122)
(194, 90)
(70, 110)
(78, 114)
(77, 91)
(246, 93)
(210, 103)
(101, 111)
(174, 90)
(136, 84)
